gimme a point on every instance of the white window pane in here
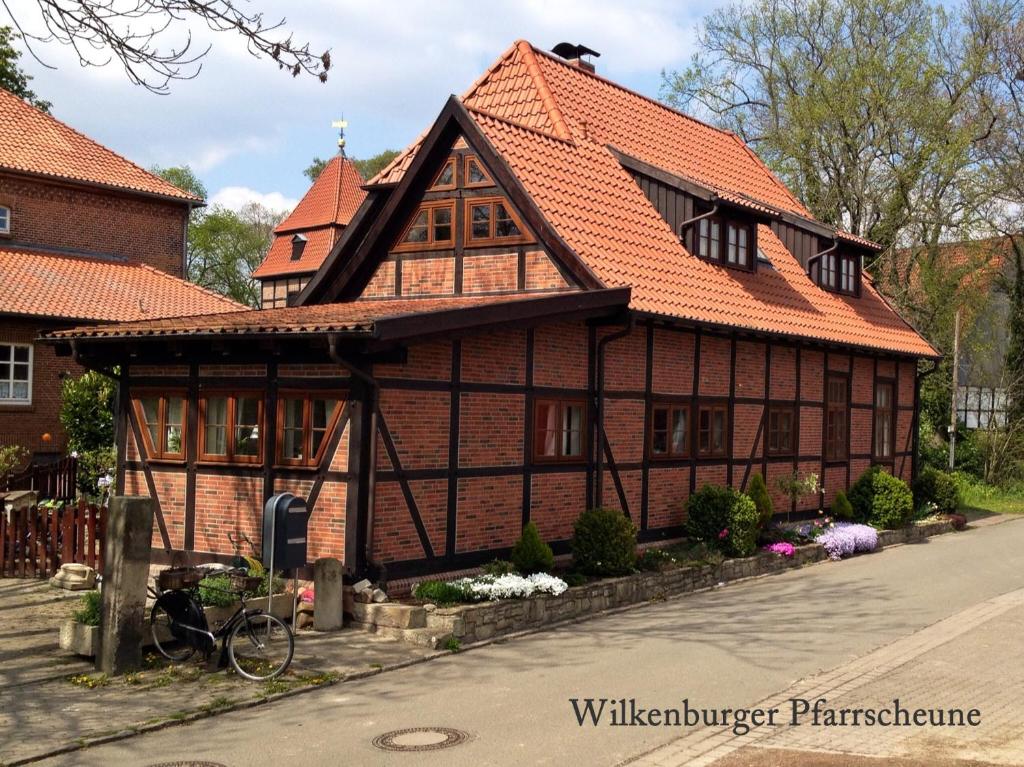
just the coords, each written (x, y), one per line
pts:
(5, 390)
(20, 390)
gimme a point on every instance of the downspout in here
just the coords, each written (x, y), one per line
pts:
(374, 386)
(818, 256)
(599, 498)
(691, 221)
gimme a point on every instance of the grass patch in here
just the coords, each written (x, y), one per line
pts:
(978, 500)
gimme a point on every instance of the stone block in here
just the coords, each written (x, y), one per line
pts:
(80, 639)
(74, 577)
(390, 614)
(328, 600)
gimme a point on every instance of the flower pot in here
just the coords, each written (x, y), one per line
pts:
(80, 639)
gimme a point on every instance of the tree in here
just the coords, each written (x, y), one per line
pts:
(144, 36)
(368, 168)
(11, 77)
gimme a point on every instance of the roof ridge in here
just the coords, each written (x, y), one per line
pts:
(526, 50)
(337, 187)
(209, 291)
(519, 125)
(399, 158)
(559, 60)
(47, 116)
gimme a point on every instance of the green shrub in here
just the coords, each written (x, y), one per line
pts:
(441, 593)
(841, 507)
(744, 522)
(499, 567)
(939, 488)
(574, 579)
(893, 505)
(94, 464)
(88, 612)
(604, 543)
(707, 514)
(654, 560)
(530, 554)
(862, 495)
(758, 492)
(87, 411)
(11, 458)
(215, 591)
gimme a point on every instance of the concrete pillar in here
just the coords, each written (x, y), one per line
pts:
(125, 573)
(327, 595)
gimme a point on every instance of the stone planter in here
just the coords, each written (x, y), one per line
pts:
(79, 639)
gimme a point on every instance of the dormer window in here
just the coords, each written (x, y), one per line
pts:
(298, 246)
(727, 241)
(838, 272)
(5, 220)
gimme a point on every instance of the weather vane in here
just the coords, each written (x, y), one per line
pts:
(340, 125)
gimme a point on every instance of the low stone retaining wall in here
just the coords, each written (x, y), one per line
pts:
(432, 625)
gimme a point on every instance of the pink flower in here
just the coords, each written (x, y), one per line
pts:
(723, 534)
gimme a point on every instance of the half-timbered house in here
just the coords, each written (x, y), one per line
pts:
(564, 294)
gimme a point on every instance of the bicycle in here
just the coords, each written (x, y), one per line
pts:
(259, 646)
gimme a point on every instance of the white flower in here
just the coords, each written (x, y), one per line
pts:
(491, 588)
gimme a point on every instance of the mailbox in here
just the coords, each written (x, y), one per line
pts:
(285, 519)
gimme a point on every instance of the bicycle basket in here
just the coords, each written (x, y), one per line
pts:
(241, 582)
(180, 578)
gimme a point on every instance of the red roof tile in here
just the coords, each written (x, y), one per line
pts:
(78, 288)
(322, 213)
(34, 142)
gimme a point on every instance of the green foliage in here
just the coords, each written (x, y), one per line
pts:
(94, 465)
(88, 612)
(758, 492)
(315, 168)
(499, 567)
(530, 554)
(603, 543)
(12, 78)
(862, 495)
(11, 457)
(893, 505)
(215, 591)
(744, 522)
(182, 177)
(442, 592)
(368, 168)
(654, 560)
(87, 411)
(574, 579)
(797, 487)
(452, 644)
(939, 488)
(842, 509)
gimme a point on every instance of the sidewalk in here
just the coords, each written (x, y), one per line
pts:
(43, 710)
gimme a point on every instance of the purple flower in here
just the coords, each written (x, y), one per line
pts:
(723, 534)
(783, 549)
(844, 539)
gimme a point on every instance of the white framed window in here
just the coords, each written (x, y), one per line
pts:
(5, 220)
(15, 374)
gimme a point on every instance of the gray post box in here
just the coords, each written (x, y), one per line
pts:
(285, 519)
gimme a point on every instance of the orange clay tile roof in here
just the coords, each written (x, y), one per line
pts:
(32, 141)
(322, 213)
(80, 288)
(351, 316)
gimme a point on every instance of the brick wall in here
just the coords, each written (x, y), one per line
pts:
(81, 219)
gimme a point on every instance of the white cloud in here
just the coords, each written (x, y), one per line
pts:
(237, 197)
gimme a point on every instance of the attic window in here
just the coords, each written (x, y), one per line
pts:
(491, 221)
(5, 220)
(475, 175)
(837, 272)
(298, 245)
(431, 227)
(445, 178)
(728, 241)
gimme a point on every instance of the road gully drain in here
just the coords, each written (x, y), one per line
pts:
(420, 739)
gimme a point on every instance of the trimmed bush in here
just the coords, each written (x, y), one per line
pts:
(841, 507)
(893, 503)
(758, 492)
(939, 488)
(442, 592)
(603, 543)
(530, 554)
(707, 515)
(862, 495)
(744, 522)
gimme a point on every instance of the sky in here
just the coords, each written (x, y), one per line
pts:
(248, 130)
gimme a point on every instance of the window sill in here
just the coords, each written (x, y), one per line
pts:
(17, 407)
(236, 463)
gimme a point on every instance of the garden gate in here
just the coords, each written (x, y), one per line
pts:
(35, 541)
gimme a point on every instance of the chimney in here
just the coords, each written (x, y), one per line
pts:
(575, 53)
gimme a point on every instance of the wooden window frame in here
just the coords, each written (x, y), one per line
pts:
(712, 408)
(436, 187)
(818, 273)
(560, 403)
(156, 452)
(232, 408)
(776, 450)
(430, 243)
(5, 227)
(876, 411)
(10, 401)
(467, 236)
(466, 183)
(842, 410)
(307, 398)
(671, 453)
(721, 254)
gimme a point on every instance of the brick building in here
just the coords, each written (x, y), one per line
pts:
(563, 294)
(305, 237)
(85, 236)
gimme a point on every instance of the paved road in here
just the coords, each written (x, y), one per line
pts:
(729, 647)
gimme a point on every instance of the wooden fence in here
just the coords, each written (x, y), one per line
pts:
(56, 480)
(35, 541)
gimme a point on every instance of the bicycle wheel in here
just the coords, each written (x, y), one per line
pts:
(163, 630)
(261, 647)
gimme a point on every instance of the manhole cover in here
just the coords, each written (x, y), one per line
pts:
(187, 764)
(420, 739)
